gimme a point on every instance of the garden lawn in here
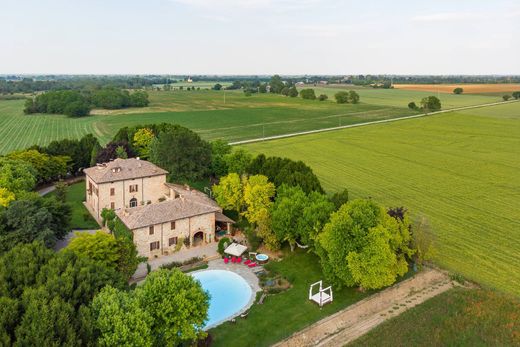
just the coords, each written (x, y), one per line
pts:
(81, 218)
(458, 317)
(285, 313)
(460, 170)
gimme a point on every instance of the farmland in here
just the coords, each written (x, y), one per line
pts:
(468, 88)
(227, 115)
(459, 170)
(459, 317)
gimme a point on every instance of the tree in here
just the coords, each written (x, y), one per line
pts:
(292, 92)
(363, 245)
(412, 106)
(322, 97)
(431, 104)
(139, 98)
(120, 320)
(353, 97)
(258, 192)
(506, 97)
(516, 95)
(262, 88)
(308, 94)
(113, 150)
(423, 241)
(285, 91)
(183, 153)
(61, 191)
(229, 193)
(276, 84)
(458, 90)
(142, 140)
(339, 198)
(342, 97)
(121, 152)
(46, 168)
(6, 197)
(118, 254)
(27, 220)
(217, 86)
(182, 298)
(238, 161)
(219, 149)
(77, 109)
(16, 175)
(286, 213)
(285, 171)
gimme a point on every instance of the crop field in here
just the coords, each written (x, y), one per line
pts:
(228, 115)
(214, 115)
(460, 170)
(458, 317)
(401, 98)
(468, 88)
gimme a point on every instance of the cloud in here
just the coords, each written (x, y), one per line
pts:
(447, 17)
(276, 5)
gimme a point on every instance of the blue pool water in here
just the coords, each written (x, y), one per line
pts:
(229, 294)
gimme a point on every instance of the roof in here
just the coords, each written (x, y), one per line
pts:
(163, 212)
(123, 169)
(220, 217)
(193, 195)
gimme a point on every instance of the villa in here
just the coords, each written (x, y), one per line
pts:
(162, 216)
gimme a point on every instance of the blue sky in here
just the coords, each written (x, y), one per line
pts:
(260, 36)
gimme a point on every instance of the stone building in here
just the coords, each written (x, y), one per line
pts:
(161, 216)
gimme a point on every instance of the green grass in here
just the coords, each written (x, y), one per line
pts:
(285, 313)
(75, 198)
(228, 115)
(460, 170)
(458, 317)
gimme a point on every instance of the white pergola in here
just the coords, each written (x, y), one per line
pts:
(235, 249)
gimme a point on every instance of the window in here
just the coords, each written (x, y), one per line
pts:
(172, 241)
(112, 205)
(150, 230)
(112, 191)
(172, 226)
(134, 188)
(154, 245)
(133, 202)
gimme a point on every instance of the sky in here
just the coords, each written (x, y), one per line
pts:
(259, 37)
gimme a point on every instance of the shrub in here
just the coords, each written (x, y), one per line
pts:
(412, 106)
(341, 97)
(458, 90)
(308, 94)
(323, 97)
(222, 245)
(516, 95)
(506, 97)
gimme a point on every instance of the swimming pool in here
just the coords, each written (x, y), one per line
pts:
(229, 293)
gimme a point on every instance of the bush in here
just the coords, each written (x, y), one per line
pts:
(308, 94)
(221, 244)
(506, 97)
(516, 95)
(458, 90)
(341, 97)
(323, 97)
(412, 106)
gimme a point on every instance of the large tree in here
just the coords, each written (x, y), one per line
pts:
(238, 161)
(430, 104)
(183, 153)
(363, 245)
(119, 254)
(169, 309)
(142, 140)
(219, 150)
(229, 193)
(16, 175)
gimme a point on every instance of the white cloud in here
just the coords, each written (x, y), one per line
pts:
(447, 16)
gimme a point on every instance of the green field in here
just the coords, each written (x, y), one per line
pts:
(460, 170)
(458, 317)
(401, 98)
(228, 115)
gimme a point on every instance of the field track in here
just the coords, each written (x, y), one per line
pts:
(277, 137)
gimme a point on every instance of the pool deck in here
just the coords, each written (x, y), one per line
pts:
(242, 270)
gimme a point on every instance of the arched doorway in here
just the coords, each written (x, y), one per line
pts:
(198, 238)
(133, 202)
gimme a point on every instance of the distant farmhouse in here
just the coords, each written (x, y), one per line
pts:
(159, 214)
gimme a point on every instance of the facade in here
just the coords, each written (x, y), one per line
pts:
(161, 216)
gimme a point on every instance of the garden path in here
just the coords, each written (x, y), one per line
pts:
(347, 325)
